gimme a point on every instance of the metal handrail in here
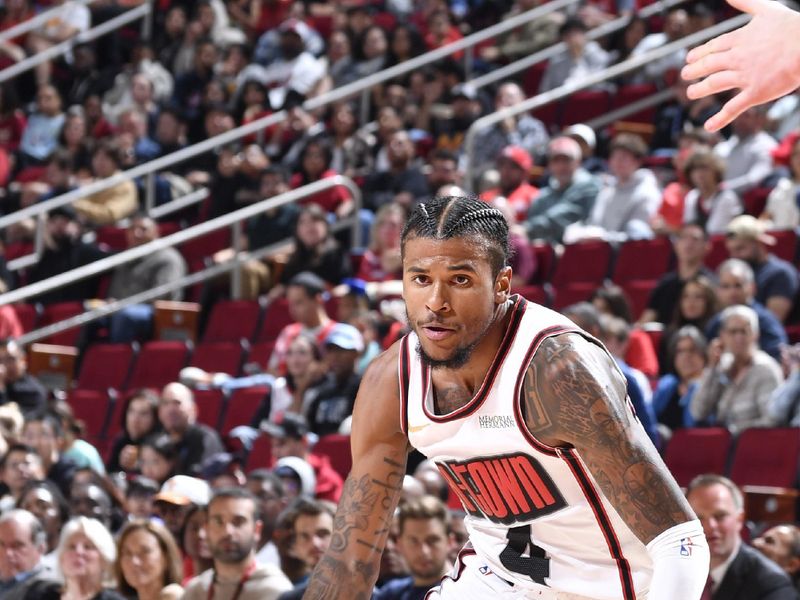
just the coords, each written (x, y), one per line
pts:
(228, 220)
(632, 108)
(598, 32)
(599, 77)
(141, 11)
(335, 95)
(34, 22)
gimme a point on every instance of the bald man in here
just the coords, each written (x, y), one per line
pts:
(177, 412)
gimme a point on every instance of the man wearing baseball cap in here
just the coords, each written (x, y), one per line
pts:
(331, 402)
(176, 497)
(776, 279)
(291, 437)
(567, 198)
(514, 165)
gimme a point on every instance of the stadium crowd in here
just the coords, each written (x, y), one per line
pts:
(173, 506)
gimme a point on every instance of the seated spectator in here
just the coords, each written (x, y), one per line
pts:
(139, 496)
(747, 151)
(20, 465)
(43, 499)
(352, 147)
(708, 202)
(194, 543)
(311, 522)
(776, 279)
(16, 384)
(177, 413)
(587, 140)
(76, 141)
(304, 296)
(696, 306)
(330, 402)
(530, 37)
(86, 554)
(678, 115)
(139, 420)
(295, 70)
(784, 405)
(297, 477)
(737, 570)
(690, 246)
(290, 438)
(371, 51)
(269, 492)
(624, 208)
(316, 250)
(314, 165)
(235, 509)
(522, 130)
(381, 261)
(449, 130)
(670, 215)
(736, 285)
(781, 210)
(132, 126)
(40, 138)
(148, 562)
(581, 59)
(514, 165)
(163, 266)
(781, 544)
(12, 119)
(424, 542)
(75, 447)
(115, 203)
(68, 21)
(94, 501)
(623, 43)
(236, 178)
(441, 31)
(403, 182)
(675, 26)
(568, 196)
(176, 500)
(43, 431)
(674, 391)
(735, 388)
(23, 541)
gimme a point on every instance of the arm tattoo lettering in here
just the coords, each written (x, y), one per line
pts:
(362, 521)
(572, 393)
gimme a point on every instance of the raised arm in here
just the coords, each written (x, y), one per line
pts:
(362, 523)
(574, 395)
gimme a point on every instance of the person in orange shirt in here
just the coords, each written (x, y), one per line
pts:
(514, 165)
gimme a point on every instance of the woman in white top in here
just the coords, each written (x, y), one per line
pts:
(781, 211)
(707, 202)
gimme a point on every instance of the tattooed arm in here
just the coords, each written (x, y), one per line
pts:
(349, 568)
(574, 395)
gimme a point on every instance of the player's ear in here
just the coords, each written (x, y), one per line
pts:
(502, 285)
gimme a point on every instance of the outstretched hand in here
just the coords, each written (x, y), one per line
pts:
(761, 60)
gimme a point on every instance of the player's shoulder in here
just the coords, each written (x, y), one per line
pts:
(384, 368)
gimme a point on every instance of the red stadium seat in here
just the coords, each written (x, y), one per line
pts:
(642, 260)
(232, 321)
(694, 451)
(580, 271)
(545, 262)
(336, 447)
(276, 317)
(718, 253)
(218, 357)
(195, 251)
(534, 293)
(105, 366)
(91, 407)
(766, 456)
(28, 315)
(629, 94)
(584, 106)
(533, 78)
(260, 353)
(158, 364)
(260, 456)
(115, 238)
(61, 311)
(242, 406)
(786, 244)
(210, 406)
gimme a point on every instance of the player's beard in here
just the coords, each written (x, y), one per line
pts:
(459, 357)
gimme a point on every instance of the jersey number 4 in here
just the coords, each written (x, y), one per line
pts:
(535, 565)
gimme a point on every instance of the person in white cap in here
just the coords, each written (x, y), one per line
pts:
(176, 498)
(776, 279)
(567, 198)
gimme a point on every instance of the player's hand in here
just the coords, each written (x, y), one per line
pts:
(760, 60)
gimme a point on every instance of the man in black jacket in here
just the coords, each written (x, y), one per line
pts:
(16, 384)
(738, 572)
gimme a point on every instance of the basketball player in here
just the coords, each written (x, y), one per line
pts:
(526, 417)
(761, 60)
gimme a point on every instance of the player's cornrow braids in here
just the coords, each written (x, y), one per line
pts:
(458, 216)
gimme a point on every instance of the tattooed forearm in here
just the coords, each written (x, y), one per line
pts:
(361, 526)
(573, 395)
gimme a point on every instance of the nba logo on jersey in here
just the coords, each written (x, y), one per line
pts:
(686, 546)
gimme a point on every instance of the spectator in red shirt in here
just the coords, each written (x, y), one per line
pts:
(315, 164)
(441, 32)
(381, 261)
(514, 164)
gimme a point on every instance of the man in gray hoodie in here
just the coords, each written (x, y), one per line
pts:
(568, 196)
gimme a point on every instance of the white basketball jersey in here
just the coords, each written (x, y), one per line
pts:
(534, 513)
